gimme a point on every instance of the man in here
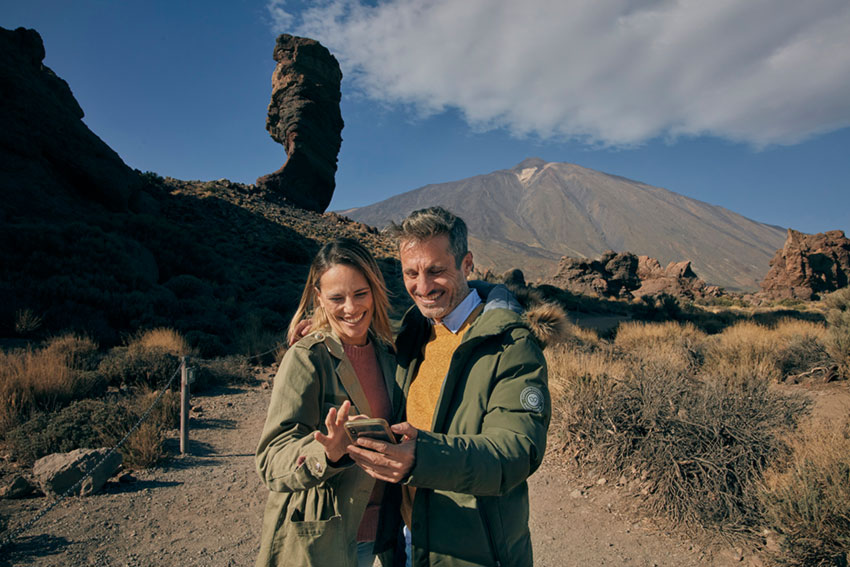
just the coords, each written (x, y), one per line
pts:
(477, 405)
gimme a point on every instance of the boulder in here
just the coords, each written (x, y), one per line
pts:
(304, 116)
(20, 487)
(57, 473)
(808, 265)
(48, 156)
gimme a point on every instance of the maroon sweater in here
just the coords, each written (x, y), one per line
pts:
(365, 363)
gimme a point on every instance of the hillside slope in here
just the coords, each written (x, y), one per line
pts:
(534, 213)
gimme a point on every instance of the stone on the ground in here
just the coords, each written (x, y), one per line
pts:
(20, 487)
(58, 472)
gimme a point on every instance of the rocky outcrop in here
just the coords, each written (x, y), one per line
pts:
(304, 116)
(58, 473)
(808, 265)
(626, 276)
(46, 151)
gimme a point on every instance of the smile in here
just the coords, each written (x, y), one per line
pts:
(352, 320)
(430, 298)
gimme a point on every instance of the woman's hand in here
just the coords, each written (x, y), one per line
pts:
(336, 441)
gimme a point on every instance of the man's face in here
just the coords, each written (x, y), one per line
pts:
(432, 277)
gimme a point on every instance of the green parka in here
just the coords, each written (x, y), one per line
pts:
(314, 508)
(487, 437)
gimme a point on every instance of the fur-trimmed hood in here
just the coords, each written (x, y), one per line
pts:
(547, 321)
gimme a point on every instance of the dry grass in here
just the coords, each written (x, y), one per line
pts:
(692, 418)
(785, 348)
(144, 447)
(164, 339)
(45, 379)
(838, 321)
(807, 501)
(27, 322)
(674, 345)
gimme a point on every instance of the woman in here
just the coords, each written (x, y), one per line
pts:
(322, 509)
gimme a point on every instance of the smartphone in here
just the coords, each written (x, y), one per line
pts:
(374, 428)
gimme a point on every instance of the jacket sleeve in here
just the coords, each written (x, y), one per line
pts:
(512, 440)
(288, 457)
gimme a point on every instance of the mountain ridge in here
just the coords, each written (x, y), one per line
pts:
(532, 214)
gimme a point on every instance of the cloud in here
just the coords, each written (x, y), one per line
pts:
(611, 72)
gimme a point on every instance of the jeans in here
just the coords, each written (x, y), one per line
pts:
(365, 557)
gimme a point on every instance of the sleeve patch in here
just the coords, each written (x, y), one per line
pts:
(532, 399)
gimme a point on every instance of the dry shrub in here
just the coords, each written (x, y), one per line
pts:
(99, 423)
(637, 334)
(787, 347)
(699, 445)
(801, 346)
(27, 322)
(838, 329)
(568, 363)
(150, 359)
(46, 379)
(807, 501)
(77, 351)
(86, 424)
(225, 370)
(164, 339)
(144, 447)
(675, 345)
(745, 349)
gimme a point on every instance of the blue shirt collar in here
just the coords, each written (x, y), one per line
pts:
(459, 315)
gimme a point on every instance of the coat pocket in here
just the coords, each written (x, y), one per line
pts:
(318, 543)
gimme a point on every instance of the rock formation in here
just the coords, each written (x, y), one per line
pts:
(808, 265)
(304, 116)
(47, 153)
(625, 275)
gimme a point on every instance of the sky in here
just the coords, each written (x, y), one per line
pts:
(739, 103)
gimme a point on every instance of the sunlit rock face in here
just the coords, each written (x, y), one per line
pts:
(304, 116)
(808, 265)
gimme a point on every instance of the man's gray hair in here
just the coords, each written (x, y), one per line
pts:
(425, 224)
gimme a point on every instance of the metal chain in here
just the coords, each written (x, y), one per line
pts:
(21, 529)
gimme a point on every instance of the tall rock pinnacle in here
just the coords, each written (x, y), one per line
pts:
(304, 116)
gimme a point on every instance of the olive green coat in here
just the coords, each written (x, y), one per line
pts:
(314, 508)
(487, 437)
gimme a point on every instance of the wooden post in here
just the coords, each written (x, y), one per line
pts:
(184, 405)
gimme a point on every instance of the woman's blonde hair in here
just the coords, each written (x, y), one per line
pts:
(347, 252)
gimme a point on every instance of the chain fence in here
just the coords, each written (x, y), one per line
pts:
(20, 530)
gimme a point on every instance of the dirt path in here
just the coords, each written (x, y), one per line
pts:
(205, 509)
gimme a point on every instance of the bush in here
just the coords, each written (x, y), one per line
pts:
(134, 366)
(46, 379)
(27, 322)
(807, 501)
(699, 444)
(227, 370)
(838, 329)
(151, 358)
(144, 447)
(167, 340)
(90, 424)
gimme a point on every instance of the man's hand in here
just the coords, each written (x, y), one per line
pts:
(387, 461)
(302, 329)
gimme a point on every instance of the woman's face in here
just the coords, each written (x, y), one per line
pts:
(346, 297)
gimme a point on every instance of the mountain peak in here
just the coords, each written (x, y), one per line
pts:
(570, 210)
(528, 163)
